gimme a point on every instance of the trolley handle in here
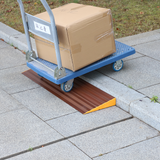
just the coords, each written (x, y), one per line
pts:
(52, 25)
(25, 25)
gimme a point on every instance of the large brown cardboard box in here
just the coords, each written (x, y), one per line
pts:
(85, 35)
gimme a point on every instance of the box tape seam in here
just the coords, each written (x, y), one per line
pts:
(76, 48)
(73, 67)
(75, 8)
(104, 35)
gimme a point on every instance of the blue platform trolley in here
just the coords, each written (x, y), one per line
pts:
(57, 73)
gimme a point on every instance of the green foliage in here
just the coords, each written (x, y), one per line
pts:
(61, 1)
(130, 87)
(30, 149)
(129, 17)
(75, 1)
(154, 99)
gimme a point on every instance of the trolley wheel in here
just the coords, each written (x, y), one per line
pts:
(118, 65)
(66, 87)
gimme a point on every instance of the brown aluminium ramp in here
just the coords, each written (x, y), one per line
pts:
(84, 97)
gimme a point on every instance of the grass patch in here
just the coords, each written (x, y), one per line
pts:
(129, 16)
(30, 149)
(154, 99)
(130, 87)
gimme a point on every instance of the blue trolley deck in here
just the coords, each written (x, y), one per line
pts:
(122, 51)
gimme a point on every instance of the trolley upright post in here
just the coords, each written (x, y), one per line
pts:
(25, 25)
(45, 30)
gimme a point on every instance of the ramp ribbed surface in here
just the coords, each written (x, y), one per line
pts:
(83, 97)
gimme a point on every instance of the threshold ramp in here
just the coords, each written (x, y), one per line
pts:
(84, 97)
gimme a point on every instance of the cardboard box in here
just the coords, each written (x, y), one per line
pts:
(85, 35)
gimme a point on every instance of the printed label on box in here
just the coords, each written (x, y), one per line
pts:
(42, 28)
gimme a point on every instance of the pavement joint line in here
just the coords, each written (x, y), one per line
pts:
(146, 42)
(37, 116)
(137, 90)
(103, 126)
(127, 146)
(46, 123)
(15, 99)
(65, 138)
(60, 116)
(25, 90)
(11, 94)
(80, 149)
(149, 57)
(150, 126)
(136, 57)
(148, 86)
(14, 109)
(140, 53)
(110, 77)
(7, 46)
(12, 67)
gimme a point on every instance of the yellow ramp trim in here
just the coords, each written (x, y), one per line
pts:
(110, 103)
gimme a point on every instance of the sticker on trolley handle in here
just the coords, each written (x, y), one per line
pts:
(42, 28)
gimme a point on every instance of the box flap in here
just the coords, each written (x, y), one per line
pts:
(73, 16)
(72, 13)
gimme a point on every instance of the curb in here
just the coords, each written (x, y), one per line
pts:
(128, 99)
(14, 37)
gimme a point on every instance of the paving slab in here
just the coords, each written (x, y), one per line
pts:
(151, 91)
(113, 137)
(11, 57)
(12, 80)
(43, 103)
(136, 73)
(76, 123)
(157, 30)
(59, 151)
(146, 150)
(146, 111)
(8, 103)
(3, 44)
(150, 49)
(21, 129)
(140, 38)
(133, 56)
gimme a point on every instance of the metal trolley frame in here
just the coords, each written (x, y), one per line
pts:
(57, 73)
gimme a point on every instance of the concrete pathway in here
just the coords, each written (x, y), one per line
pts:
(37, 125)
